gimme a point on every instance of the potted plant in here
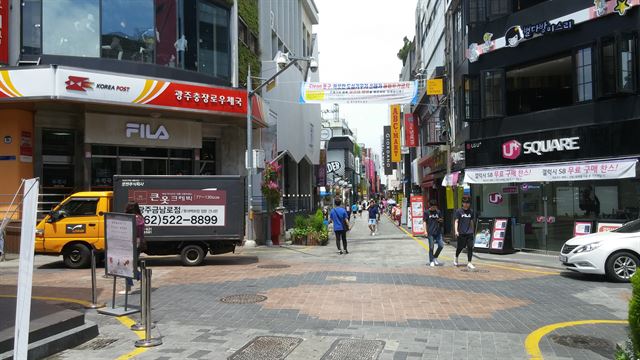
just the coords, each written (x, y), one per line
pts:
(270, 185)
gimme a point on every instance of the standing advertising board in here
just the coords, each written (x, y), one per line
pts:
(604, 226)
(417, 215)
(482, 237)
(121, 255)
(501, 242)
(581, 228)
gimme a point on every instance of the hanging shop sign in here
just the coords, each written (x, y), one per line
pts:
(394, 111)
(577, 143)
(410, 131)
(401, 92)
(514, 35)
(386, 151)
(573, 171)
(434, 162)
(322, 169)
(435, 87)
(4, 32)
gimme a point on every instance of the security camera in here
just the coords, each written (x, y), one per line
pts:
(313, 65)
(282, 59)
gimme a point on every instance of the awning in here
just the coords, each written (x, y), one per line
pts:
(569, 171)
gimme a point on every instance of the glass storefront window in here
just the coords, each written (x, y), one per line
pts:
(71, 27)
(102, 171)
(167, 26)
(143, 152)
(56, 142)
(57, 176)
(31, 27)
(128, 31)
(213, 40)
(177, 167)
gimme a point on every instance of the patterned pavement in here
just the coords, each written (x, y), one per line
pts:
(382, 292)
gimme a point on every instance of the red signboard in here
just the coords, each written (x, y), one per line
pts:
(410, 131)
(4, 31)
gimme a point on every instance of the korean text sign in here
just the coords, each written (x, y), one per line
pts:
(395, 133)
(121, 252)
(168, 207)
(417, 215)
(410, 131)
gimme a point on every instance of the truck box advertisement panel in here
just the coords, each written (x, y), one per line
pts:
(182, 207)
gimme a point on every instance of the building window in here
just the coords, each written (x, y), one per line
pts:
(72, 27)
(540, 86)
(493, 93)
(523, 4)
(626, 63)
(242, 32)
(497, 8)
(471, 98)
(213, 40)
(128, 31)
(253, 43)
(584, 75)
(31, 27)
(608, 67)
(167, 26)
(477, 11)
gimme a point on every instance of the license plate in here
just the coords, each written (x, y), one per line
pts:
(563, 258)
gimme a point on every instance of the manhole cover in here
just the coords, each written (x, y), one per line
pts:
(600, 346)
(354, 349)
(274, 266)
(243, 299)
(267, 347)
(97, 344)
(474, 270)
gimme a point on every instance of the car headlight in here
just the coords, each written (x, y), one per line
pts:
(588, 247)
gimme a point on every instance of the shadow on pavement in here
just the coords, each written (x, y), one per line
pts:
(583, 277)
(209, 260)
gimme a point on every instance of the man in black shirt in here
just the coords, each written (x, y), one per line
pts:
(433, 219)
(464, 228)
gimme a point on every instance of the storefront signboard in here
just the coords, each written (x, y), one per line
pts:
(607, 226)
(4, 32)
(181, 207)
(510, 190)
(410, 131)
(484, 229)
(22, 83)
(120, 250)
(394, 112)
(402, 92)
(417, 215)
(581, 228)
(574, 171)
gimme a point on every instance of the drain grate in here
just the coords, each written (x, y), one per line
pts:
(274, 266)
(97, 344)
(267, 347)
(243, 299)
(483, 271)
(599, 346)
(354, 349)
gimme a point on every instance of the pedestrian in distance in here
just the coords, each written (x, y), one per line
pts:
(360, 209)
(374, 211)
(354, 210)
(348, 209)
(434, 220)
(464, 228)
(338, 217)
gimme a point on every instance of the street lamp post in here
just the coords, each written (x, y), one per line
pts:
(284, 61)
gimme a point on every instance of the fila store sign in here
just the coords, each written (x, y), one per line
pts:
(513, 149)
(145, 131)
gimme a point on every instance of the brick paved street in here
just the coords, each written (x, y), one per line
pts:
(381, 291)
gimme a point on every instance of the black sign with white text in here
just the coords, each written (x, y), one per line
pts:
(386, 151)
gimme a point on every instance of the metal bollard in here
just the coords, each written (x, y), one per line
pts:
(94, 304)
(147, 341)
(139, 326)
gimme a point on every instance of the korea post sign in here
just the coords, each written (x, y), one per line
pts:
(395, 133)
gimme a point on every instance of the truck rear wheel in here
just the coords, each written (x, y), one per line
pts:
(76, 256)
(192, 255)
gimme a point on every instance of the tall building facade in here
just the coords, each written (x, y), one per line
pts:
(546, 94)
(293, 135)
(94, 88)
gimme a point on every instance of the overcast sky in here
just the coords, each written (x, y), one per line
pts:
(358, 41)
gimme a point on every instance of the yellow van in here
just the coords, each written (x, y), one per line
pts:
(75, 227)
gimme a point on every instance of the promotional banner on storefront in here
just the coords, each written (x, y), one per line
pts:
(394, 111)
(401, 92)
(574, 171)
(386, 151)
(410, 131)
(4, 31)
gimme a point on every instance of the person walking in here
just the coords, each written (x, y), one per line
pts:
(348, 209)
(373, 217)
(464, 228)
(338, 217)
(433, 218)
(354, 210)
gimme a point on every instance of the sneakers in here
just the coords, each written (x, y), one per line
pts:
(374, 234)
(346, 252)
(340, 252)
(455, 262)
(436, 261)
(432, 264)
(470, 266)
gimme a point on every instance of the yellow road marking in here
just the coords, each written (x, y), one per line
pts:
(426, 247)
(532, 342)
(124, 320)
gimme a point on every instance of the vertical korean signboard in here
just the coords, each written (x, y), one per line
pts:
(395, 133)
(386, 151)
(410, 131)
(417, 215)
(4, 31)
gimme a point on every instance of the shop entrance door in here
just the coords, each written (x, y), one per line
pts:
(131, 167)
